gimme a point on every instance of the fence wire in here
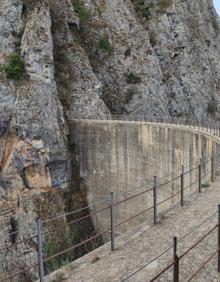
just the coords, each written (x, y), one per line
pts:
(69, 236)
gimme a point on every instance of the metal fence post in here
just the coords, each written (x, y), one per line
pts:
(200, 175)
(212, 169)
(182, 187)
(155, 199)
(40, 250)
(112, 210)
(219, 238)
(175, 261)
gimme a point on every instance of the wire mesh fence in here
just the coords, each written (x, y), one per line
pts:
(68, 238)
(19, 259)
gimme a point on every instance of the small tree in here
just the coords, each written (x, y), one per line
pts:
(14, 67)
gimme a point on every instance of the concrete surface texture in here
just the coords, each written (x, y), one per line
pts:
(124, 157)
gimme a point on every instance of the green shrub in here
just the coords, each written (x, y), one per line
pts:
(127, 52)
(81, 11)
(146, 13)
(105, 46)
(172, 95)
(211, 109)
(205, 184)
(14, 67)
(179, 114)
(152, 39)
(132, 78)
(50, 248)
(60, 56)
(28, 5)
(141, 8)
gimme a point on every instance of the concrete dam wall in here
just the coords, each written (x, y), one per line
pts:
(124, 157)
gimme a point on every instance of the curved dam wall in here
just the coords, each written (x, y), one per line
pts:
(124, 157)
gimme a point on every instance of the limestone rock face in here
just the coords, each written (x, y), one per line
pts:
(37, 132)
(10, 26)
(34, 155)
(166, 63)
(78, 86)
(91, 59)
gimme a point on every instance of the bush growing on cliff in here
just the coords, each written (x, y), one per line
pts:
(104, 45)
(211, 109)
(172, 94)
(81, 11)
(28, 5)
(153, 39)
(132, 78)
(142, 8)
(127, 52)
(14, 67)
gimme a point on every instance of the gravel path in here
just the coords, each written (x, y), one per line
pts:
(144, 242)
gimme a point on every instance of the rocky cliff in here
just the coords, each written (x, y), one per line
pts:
(64, 59)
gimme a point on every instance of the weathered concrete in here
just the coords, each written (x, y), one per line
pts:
(123, 157)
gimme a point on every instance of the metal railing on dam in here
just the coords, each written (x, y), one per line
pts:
(67, 237)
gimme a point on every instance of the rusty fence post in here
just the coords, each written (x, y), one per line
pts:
(155, 199)
(175, 261)
(212, 169)
(182, 187)
(40, 250)
(219, 238)
(112, 211)
(200, 175)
